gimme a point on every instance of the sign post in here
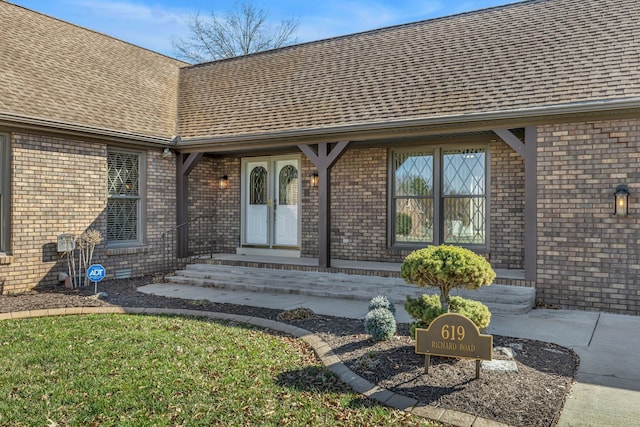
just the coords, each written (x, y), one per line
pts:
(453, 335)
(96, 273)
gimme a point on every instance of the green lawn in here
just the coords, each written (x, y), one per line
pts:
(129, 370)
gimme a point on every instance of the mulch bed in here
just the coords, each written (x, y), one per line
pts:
(532, 396)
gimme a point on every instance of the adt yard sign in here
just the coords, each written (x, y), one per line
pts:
(96, 273)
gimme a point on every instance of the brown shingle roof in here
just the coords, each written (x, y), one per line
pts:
(531, 54)
(54, 70)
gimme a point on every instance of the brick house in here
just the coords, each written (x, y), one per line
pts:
(505, 130)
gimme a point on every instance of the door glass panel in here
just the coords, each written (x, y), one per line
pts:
(258, 186)
(288, 183)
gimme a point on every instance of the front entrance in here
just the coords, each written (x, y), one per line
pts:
(271, 202)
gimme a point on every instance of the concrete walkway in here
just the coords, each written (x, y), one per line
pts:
(607, 388)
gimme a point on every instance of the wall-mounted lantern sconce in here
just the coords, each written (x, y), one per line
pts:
(166, 152)
(621, 197)
(224, 182)
(314, 179)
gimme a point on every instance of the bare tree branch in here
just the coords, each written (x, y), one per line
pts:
(241, 31)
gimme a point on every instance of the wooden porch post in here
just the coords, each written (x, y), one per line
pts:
(324, 159)
(528, 151)
(184, 166)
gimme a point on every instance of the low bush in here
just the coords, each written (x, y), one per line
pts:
(427, 307)
(382, 302)
(446, 267)
(380, 323)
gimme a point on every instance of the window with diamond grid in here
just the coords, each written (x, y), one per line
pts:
(438, 196)
(123, 205)
(413, 194)
(463, 196)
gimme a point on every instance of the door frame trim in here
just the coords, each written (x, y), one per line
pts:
(271, 192)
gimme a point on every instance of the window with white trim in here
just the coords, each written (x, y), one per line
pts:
(438, 195)
(125, 208)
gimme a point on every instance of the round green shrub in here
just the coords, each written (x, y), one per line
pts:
(446, 267)
(382, 301)
(380, 323)
(427, 307)
(424, 308)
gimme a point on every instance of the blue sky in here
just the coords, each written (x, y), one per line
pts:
(153, 23)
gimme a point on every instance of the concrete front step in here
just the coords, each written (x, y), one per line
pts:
(500, 299)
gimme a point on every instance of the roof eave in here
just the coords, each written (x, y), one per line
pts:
(80, 130)
(410, 127)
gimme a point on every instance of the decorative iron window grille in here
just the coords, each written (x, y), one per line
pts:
(288, 185)
(258, 186)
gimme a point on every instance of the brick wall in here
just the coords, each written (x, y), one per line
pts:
(588, 258)
(309, 211)
(359, 206)
(507, 207)
(223, 205)
(59, 186)
(52, 192)
(161, 217)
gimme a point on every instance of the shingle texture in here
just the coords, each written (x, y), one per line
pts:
(58, 71)
(530, 54)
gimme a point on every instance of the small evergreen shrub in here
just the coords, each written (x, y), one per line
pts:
(382, 302)
(427, 307)
(380, 323)
(424, 308)
(446, 267)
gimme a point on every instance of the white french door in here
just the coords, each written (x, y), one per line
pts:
(271, 202)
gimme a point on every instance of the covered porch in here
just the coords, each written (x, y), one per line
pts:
(329, 237)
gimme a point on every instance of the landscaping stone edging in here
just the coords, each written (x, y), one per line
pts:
(322, 349)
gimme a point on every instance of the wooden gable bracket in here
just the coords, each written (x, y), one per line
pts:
(184, 166)
(324, 159)
(528, 150)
